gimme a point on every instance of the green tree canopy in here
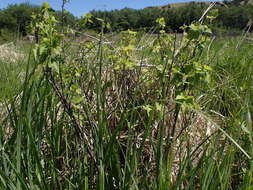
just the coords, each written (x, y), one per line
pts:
(17, 17)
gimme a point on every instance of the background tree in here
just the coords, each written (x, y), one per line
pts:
(17, 17)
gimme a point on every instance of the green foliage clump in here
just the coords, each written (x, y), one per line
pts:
(16, 18)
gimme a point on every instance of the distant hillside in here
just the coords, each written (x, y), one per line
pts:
(233, 14)
(174, 5)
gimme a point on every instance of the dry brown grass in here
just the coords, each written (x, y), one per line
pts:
(10, 53)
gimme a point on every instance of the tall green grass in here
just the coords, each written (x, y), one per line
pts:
(131, 114)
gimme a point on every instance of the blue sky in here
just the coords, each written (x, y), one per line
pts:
(80, 7)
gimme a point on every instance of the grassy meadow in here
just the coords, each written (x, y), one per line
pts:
(127, 111)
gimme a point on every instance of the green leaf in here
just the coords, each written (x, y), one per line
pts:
(207, 68)
(46, 5)
(161, 22)
(77, 99)
(66, 11)
(54, 66)
(158, 106)
(147, 108)
(213, 14)
(184, 99)
(86, 19)
(108, 26)
(101, 20)
(245, 129)
(196, 29)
